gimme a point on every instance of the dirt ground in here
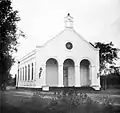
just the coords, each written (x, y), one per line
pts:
(23, 101)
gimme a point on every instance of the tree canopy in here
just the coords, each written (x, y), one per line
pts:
(8, 38)
(108, 55)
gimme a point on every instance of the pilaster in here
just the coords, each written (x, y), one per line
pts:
(77, 76)
(60, 78)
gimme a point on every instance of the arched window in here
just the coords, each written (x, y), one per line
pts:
(28, 72)
(25, 73)
(21, 74)
(51, 72)
(85, 72)
(32, 71)
(18, 74)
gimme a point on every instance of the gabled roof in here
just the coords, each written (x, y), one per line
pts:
(28, 55)
(96, 49)
(68, 26)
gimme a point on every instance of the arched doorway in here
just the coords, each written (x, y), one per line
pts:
(52, 72)
(85, 72)
(68, 73)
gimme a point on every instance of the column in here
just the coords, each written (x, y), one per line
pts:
(60, 74)
(90, 74)
(92, 70)
(77, 76)
(35, 74)
(17, 77)
(43, 74)
(95, 83)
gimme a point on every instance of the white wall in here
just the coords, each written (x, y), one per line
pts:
(55, 48)
(25, 62)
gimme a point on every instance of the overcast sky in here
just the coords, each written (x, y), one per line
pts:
(41, 20)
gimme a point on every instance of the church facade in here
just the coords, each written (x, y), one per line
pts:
(67, 60)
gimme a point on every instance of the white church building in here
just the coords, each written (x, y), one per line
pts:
(67, 60)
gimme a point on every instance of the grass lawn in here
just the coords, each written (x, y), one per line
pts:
(27, 102)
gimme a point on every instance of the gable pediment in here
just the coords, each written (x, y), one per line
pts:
(68, 35)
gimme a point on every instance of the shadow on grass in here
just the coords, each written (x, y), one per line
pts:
(58, 109)
(10, 109)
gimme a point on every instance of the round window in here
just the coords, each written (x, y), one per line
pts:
(69, 45)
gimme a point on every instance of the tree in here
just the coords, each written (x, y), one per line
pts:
(9, 35)
(108, 56)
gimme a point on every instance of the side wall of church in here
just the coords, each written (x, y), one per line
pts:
(26, 76)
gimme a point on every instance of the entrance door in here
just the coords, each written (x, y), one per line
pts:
(68, 73)
(65, 76)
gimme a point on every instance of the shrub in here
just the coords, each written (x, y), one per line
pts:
(69, 101)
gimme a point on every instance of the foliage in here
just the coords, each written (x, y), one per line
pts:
(78, 102)
(11, 81)
(9, 35)
(108, 56)
(74, 101)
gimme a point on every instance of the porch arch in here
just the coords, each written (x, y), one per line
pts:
(52, 72)
(68, 73)
(85, 74)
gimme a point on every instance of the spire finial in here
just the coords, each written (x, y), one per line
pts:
(68, 21)
(68, 14)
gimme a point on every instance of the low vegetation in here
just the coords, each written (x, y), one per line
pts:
(69, 101)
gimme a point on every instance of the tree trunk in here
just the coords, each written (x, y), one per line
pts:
(105, 84)
(3, 88)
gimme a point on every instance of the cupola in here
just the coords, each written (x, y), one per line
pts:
(68, 21)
